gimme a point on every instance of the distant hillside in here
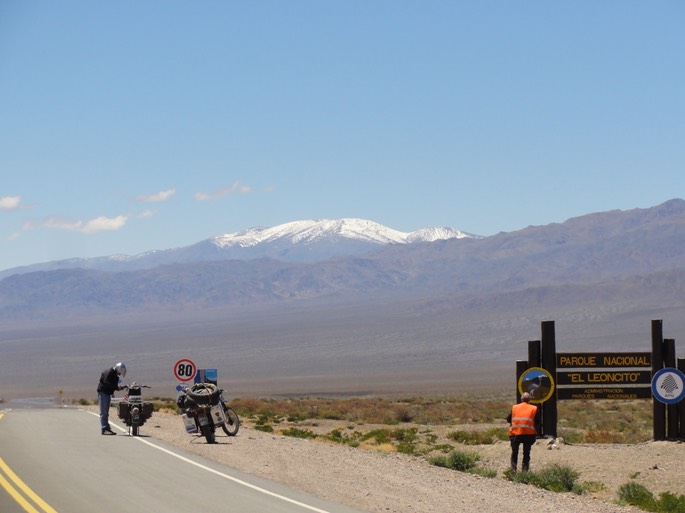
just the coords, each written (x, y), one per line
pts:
(599, 252)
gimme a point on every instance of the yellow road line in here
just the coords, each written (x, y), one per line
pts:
(17, 496)
(24, 488)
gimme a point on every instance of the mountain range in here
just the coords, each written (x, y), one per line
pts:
(299, 241)
(353, 257)
(354, 305)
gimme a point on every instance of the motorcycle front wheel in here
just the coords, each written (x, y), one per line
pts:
(232, 424)
(134, 429)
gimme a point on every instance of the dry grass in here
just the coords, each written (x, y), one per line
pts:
(578, 421)
(381, 410)
(627, 421)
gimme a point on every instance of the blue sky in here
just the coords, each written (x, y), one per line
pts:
(131, 126)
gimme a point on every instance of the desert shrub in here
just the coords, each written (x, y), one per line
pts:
(479, 437)
(407, 440)
(463, 461)
(637, 495)
(299, 433)
(296, 417)
(555, 478)
(403, 413)
(671, 503)
(339, 437)
(164, 404)
(380, 436)
(267, 428)
(484, 472)
(572, 436)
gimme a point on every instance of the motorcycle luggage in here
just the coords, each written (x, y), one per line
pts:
(217, 414)
(122, 411)
(189, 424)
(204, 393)
(147, 410)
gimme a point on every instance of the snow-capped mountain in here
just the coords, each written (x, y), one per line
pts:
(299, 241)
(317, 231)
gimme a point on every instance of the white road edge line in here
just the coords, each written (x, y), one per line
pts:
(220, 474)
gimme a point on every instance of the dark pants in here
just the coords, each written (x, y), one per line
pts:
(516, 441)
(105, 400)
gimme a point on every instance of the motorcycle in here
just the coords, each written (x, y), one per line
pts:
(204, 409)
(133, 410)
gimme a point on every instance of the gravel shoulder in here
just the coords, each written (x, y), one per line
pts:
(379, 482)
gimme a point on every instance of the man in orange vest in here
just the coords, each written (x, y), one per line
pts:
(522, 431)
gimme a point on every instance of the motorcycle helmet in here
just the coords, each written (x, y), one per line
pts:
(121, 369)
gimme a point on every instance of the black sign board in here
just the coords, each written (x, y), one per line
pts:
(604, 375)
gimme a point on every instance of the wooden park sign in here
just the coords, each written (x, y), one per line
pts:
(550, 377)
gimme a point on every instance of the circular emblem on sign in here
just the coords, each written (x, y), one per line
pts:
(668, 385)
(184, 369)
(538, 383)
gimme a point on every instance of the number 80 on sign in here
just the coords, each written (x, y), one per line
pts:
(185, 369)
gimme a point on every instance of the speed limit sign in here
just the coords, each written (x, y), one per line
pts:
(185, 369)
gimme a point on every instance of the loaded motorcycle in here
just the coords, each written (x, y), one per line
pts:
(133, 410)
(203, 409)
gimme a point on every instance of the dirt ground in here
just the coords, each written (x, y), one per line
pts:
(382, 482)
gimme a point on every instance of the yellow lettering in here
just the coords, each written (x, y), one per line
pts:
(577, 361)
(614, 377)
(626, 361)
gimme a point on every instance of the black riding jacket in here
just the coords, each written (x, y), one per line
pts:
(109, 381)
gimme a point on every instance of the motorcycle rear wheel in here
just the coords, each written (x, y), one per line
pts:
(232, 424)
(208, 433)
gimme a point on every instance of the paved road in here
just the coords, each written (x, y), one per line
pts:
(55, 460)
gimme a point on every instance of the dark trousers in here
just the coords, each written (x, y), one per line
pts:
(516, 441)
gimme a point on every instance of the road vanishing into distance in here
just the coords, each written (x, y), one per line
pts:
(54, 459)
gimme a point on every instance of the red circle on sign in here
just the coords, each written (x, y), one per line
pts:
(185, 369)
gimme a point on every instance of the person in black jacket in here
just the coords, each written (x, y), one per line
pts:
(109, 383)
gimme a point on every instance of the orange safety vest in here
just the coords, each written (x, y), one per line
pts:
(523, 419)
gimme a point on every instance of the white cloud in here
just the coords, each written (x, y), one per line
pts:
(99, 224)
(157, 197)
(10, 202)
(236, 188)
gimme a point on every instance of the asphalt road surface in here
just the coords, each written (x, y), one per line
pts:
(56, 460)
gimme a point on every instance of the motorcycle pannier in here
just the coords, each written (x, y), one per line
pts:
(122, 410)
